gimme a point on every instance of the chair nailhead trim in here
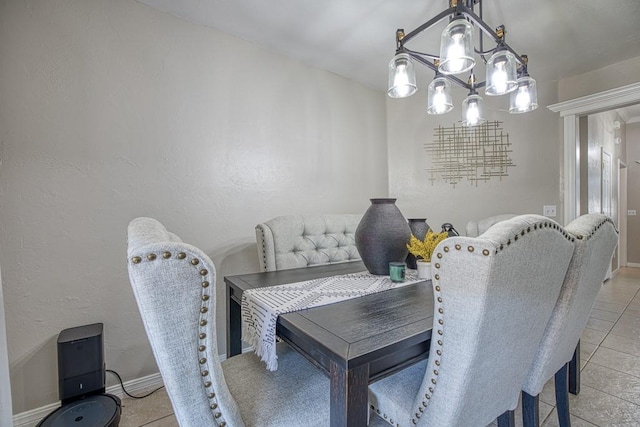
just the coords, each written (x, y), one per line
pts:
(438, 298)
(202, 335)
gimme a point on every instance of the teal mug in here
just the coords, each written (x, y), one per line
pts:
(397, 271)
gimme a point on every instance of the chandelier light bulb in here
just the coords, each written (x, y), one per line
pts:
(439, 96)
(523, 99)
(473, 114)
(439, 102)
(456, 48)
(501, 73)
(455, 53)
(402, 77)
(500, 78)
(472, 110)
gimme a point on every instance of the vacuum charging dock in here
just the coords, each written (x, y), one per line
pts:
(81, 381)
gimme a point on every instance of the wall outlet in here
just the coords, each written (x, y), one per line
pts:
(549, 211)
(631, 212)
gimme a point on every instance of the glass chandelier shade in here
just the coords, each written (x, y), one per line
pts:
(439, 97)
(402, 77)
(525, 97)
(472, 110)
(456, 48)
(502, 73)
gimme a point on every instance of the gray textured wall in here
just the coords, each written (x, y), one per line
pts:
(111, 110)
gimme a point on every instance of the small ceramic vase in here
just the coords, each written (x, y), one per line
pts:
(424, 269)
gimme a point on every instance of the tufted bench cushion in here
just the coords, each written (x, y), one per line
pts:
(294, 241)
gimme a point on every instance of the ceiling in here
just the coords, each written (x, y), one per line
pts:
(356, 38)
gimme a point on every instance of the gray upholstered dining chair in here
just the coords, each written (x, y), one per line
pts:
(493, 296)
(175, 287)
(475, 228)
(596, 238)
(295, 241)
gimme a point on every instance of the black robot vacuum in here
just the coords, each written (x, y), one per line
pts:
(81, 382)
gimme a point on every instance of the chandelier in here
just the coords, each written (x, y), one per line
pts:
(506, 71)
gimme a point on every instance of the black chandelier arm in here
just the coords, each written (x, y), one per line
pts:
(486, 52)
(462, 9)
(415, 53)
(430, 23)
(489, 31)
(431, 65)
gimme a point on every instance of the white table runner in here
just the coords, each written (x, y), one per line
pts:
(261, 307)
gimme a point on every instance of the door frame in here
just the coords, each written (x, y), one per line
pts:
(622, 213)
(570, 111)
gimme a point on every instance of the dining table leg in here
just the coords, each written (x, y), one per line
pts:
(349, 395)
(234, 325)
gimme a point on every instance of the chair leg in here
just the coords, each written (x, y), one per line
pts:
(530, 410)
(507, 419)
(562, 396)
(574, 371)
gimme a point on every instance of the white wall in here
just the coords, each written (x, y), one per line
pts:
(110, 110)
(607, 78)
(532, 183)
(633, 192)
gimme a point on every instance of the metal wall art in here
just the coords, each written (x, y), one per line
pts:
(469, 153)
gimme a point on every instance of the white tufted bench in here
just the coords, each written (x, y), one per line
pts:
(294, 241)
(477, 228)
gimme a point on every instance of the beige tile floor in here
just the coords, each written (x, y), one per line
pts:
(610, 351)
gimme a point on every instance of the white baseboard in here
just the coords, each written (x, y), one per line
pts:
(135, 386)
(633, 264)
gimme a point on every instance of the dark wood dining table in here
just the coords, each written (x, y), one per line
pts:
(355, 342)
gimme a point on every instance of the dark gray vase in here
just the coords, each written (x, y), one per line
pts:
(419, 228)
(382, 236)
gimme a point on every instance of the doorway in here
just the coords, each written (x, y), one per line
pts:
(570, 111)
(574, 113)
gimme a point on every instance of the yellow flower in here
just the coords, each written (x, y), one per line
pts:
(424, 248)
